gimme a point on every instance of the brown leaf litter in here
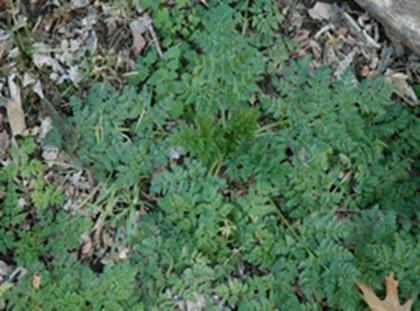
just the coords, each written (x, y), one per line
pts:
(342, 36)
(71, 44)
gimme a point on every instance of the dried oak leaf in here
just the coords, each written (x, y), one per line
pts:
(391, 301)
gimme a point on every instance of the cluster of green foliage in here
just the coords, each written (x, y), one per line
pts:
(38, 235)
(267, 186)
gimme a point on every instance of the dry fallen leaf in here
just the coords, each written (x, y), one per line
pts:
(42, 59)
(321, 11)
(404, 90)
(36, 280)
(37, 88)
(86, 250)
(391, 301)
(27, 79)
(138, 27)
(78, 4)
(4, 46)
(14, 108)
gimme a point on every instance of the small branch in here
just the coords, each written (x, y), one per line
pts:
(155, 39)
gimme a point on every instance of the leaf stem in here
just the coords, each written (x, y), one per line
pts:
(245, 24)
(267, 127)
(293, 231)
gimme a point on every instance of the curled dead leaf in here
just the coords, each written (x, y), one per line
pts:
(391, 301)
(138, 43)
(36, 280)
(86, 249)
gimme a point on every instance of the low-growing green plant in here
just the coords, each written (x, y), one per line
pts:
(248, 199)
(69, 285)
(30, 223)
(38, 235)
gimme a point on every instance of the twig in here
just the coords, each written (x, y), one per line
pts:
(155, 39)
(384, 61)
(88, 198)
(293, 231)
(245, 24)
(359, 31)
(268, 127)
